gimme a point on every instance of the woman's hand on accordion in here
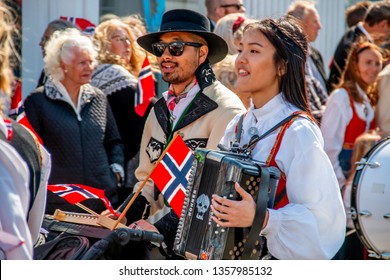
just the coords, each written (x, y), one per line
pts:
(234, 213)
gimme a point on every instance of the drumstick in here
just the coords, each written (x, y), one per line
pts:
(350, 232)
(90, 211)
(144, 182)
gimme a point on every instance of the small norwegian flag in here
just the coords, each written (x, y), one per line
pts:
(85, 25)
(16, 111)
(172, 172)
(145, 89)
(8, 126)
(76, 193)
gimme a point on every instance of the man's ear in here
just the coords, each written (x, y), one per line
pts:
(220, 11)
(203, 52)
(383, 23)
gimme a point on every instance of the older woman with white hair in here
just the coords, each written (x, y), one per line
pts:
(75, 121)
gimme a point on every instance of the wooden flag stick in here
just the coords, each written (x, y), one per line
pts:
(90, 211)
(144, 182)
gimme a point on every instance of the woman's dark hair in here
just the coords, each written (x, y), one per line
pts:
(290, 45)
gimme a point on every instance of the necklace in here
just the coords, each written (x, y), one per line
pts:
(253, 131)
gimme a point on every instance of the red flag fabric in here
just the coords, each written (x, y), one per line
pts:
(75, 193)
(145, 89)
(8, 126)
(17, 109)
(85, 25)
(171, 173)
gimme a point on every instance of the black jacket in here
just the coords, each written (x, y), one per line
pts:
(318, 61)
(120, 88)
(81, 149)
(341, 54)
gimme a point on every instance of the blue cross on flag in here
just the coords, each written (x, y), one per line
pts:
(171, 173)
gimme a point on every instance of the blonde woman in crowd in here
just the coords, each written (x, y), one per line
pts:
(136, 24)
(14, 174)
(226, 74)
(230, 27)
(24, 166)
(119, 63)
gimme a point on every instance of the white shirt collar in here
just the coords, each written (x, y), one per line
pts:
(191, 93)
(361, 27)
(272, 107)
(183, 103)
(64, 95)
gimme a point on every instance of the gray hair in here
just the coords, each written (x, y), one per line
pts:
(60, 48)
(299, 9)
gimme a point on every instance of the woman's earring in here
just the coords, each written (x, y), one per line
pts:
(281, 72)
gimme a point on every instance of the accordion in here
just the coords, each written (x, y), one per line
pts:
(215, 172)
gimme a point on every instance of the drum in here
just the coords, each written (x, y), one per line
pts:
(370, 200)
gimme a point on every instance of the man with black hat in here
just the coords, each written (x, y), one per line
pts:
(196, 105)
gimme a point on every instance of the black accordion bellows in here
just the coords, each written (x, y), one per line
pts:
(215, 172)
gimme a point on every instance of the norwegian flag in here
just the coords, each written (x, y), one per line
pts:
(75, 193)
(171, 173)
(16, 111)
(145, 89)
(85, 25)
(8, 126)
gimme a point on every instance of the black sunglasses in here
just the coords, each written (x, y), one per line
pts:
(175, 48)
(237, 6)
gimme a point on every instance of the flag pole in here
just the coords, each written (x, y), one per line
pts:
(144, 182)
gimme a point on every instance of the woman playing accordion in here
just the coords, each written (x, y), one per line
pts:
(307, 220)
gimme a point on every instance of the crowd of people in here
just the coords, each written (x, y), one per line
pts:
(230, 77)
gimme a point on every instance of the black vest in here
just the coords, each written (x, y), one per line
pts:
(25, 144)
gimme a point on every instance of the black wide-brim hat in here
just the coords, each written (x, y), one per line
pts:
(181, 20)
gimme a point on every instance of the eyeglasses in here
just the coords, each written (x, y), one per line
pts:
(175, 48)
(237, 6)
